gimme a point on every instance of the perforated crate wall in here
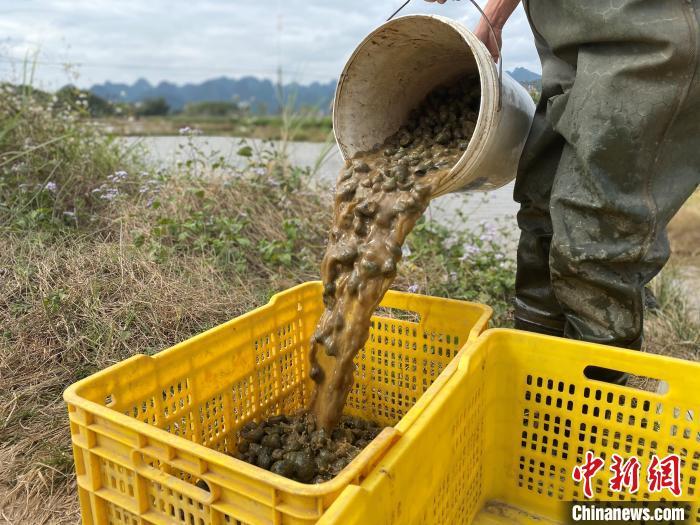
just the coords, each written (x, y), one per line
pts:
(513, 422)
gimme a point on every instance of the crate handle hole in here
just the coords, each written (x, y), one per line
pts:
(634, 381)
(202, 485)
(398, 313)
(110, 400)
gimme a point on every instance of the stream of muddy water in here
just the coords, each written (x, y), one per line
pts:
(379, 197)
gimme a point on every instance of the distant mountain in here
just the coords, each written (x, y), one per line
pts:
(525, 76)
(261, 95)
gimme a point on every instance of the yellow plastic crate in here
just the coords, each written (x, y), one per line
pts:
(498, 443)
(147, 430)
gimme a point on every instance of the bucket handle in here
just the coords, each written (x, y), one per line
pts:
(493, 34)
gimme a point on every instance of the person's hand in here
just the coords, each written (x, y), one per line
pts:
(498, 12)
(483, 33)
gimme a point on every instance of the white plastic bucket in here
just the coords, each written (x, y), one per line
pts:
(398, 64)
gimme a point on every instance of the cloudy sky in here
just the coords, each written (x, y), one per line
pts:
(90, 41)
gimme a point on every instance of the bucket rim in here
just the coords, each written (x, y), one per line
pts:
(488, 104)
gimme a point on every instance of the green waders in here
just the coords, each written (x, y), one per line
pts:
(613, 153)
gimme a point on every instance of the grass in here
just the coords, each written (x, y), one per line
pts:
(102, 257)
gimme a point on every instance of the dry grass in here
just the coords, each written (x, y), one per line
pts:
(69, 309)
(674, 329)
(138, 278)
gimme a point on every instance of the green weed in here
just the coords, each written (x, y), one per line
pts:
(471, 265)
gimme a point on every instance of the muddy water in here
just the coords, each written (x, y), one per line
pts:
(379, 197)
